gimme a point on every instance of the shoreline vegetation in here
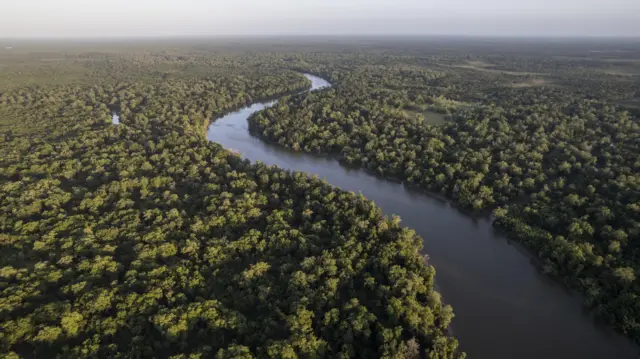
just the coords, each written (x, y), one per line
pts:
(586, 244)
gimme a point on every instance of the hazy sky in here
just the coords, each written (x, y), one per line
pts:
(88, 18)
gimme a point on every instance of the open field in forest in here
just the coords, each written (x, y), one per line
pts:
(429, 117)
(633, 103)
(615, 64)
(486, 67)
(532, 83)
(634, 62)
(622, 71)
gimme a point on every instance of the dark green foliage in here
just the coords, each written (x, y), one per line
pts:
(557, 160)
(145, 240)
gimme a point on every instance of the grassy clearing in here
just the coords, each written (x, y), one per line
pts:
(532, 83)
(622, 71)
(486, 67)
(631, 103)
(429, 117)
(635, 62)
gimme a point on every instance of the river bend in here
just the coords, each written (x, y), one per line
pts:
(504, 307)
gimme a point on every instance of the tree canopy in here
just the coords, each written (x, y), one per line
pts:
(145, 240)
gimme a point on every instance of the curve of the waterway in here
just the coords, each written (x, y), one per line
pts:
(504, 307)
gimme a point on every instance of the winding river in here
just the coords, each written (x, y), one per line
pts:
(504, 307)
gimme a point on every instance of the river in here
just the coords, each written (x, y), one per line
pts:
(504, 307)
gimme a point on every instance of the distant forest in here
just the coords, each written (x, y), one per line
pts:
(146, 240)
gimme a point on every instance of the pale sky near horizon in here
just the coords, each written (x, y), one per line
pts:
(116, 18)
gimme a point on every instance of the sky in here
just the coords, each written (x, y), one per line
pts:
(141, 18)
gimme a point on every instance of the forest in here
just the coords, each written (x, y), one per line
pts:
(146, 240)
(549, 148)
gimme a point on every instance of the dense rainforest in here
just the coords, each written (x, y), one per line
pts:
(145, 240)
(553, 153)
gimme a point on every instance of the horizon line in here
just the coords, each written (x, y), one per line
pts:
(372, 35)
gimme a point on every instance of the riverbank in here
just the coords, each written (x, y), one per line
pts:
(484, 277)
